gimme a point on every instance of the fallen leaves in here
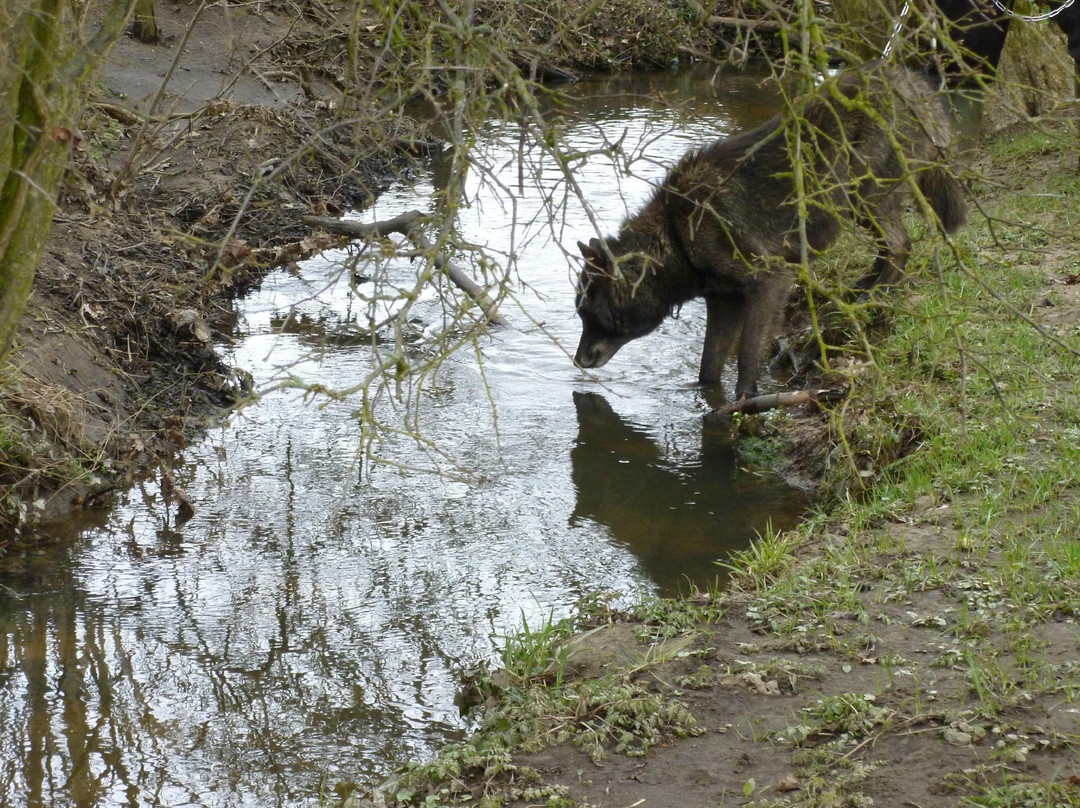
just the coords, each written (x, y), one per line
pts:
(238, 253)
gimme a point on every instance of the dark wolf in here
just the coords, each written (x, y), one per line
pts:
(725, 224)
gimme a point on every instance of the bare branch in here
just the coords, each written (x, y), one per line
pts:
(410, 225)
(772, 401)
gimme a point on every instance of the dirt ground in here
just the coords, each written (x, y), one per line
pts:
(117, 364)
(852, 712)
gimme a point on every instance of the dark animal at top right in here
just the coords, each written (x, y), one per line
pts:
(979, 27)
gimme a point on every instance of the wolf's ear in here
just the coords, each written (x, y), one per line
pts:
(593, 253)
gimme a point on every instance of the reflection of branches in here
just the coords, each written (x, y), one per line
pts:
(66, 644)
(410, 225)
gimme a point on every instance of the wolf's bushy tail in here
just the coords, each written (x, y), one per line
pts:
(946, 196)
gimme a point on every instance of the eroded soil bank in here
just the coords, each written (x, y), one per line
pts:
(165, 200)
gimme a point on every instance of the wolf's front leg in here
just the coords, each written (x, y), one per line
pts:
(723, 319)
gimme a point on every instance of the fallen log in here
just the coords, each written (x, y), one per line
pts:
(772, 401)
(410, 225)
(765, 26)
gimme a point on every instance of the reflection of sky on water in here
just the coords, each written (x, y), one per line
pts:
(311, 618)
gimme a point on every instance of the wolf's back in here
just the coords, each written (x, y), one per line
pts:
(932, 124)
(926, 132)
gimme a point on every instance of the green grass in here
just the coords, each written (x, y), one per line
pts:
(763, 561)
(1028, 795)
(1026, 144)
(538, 705)
(533, 652)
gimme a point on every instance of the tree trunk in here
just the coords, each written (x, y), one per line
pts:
(1035, 77)
(44, 73)
(143, 25)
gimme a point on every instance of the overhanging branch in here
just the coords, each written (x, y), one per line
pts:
(410, 225)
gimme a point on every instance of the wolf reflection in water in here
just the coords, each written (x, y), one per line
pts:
(678, 518)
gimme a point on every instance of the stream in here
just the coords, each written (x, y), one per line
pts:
(308, 624)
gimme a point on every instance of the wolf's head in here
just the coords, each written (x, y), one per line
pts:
(612, 302)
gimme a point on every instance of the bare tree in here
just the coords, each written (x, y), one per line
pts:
(45, 68)
(143, 24)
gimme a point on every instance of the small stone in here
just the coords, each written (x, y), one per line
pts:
(956, 737)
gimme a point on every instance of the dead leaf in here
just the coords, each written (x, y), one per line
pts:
(190, 319)
(955, 737)
(202, 331)
(754, 680)
(789, 783)
(185, 509)
(65, 135)
(235, 252)
(326, 207)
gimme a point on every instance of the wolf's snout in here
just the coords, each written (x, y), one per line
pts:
(594, 353)
(587, 358)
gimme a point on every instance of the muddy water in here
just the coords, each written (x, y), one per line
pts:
(306, 626)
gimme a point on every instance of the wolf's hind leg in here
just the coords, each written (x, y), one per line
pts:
(765, 303)
(722, 324)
